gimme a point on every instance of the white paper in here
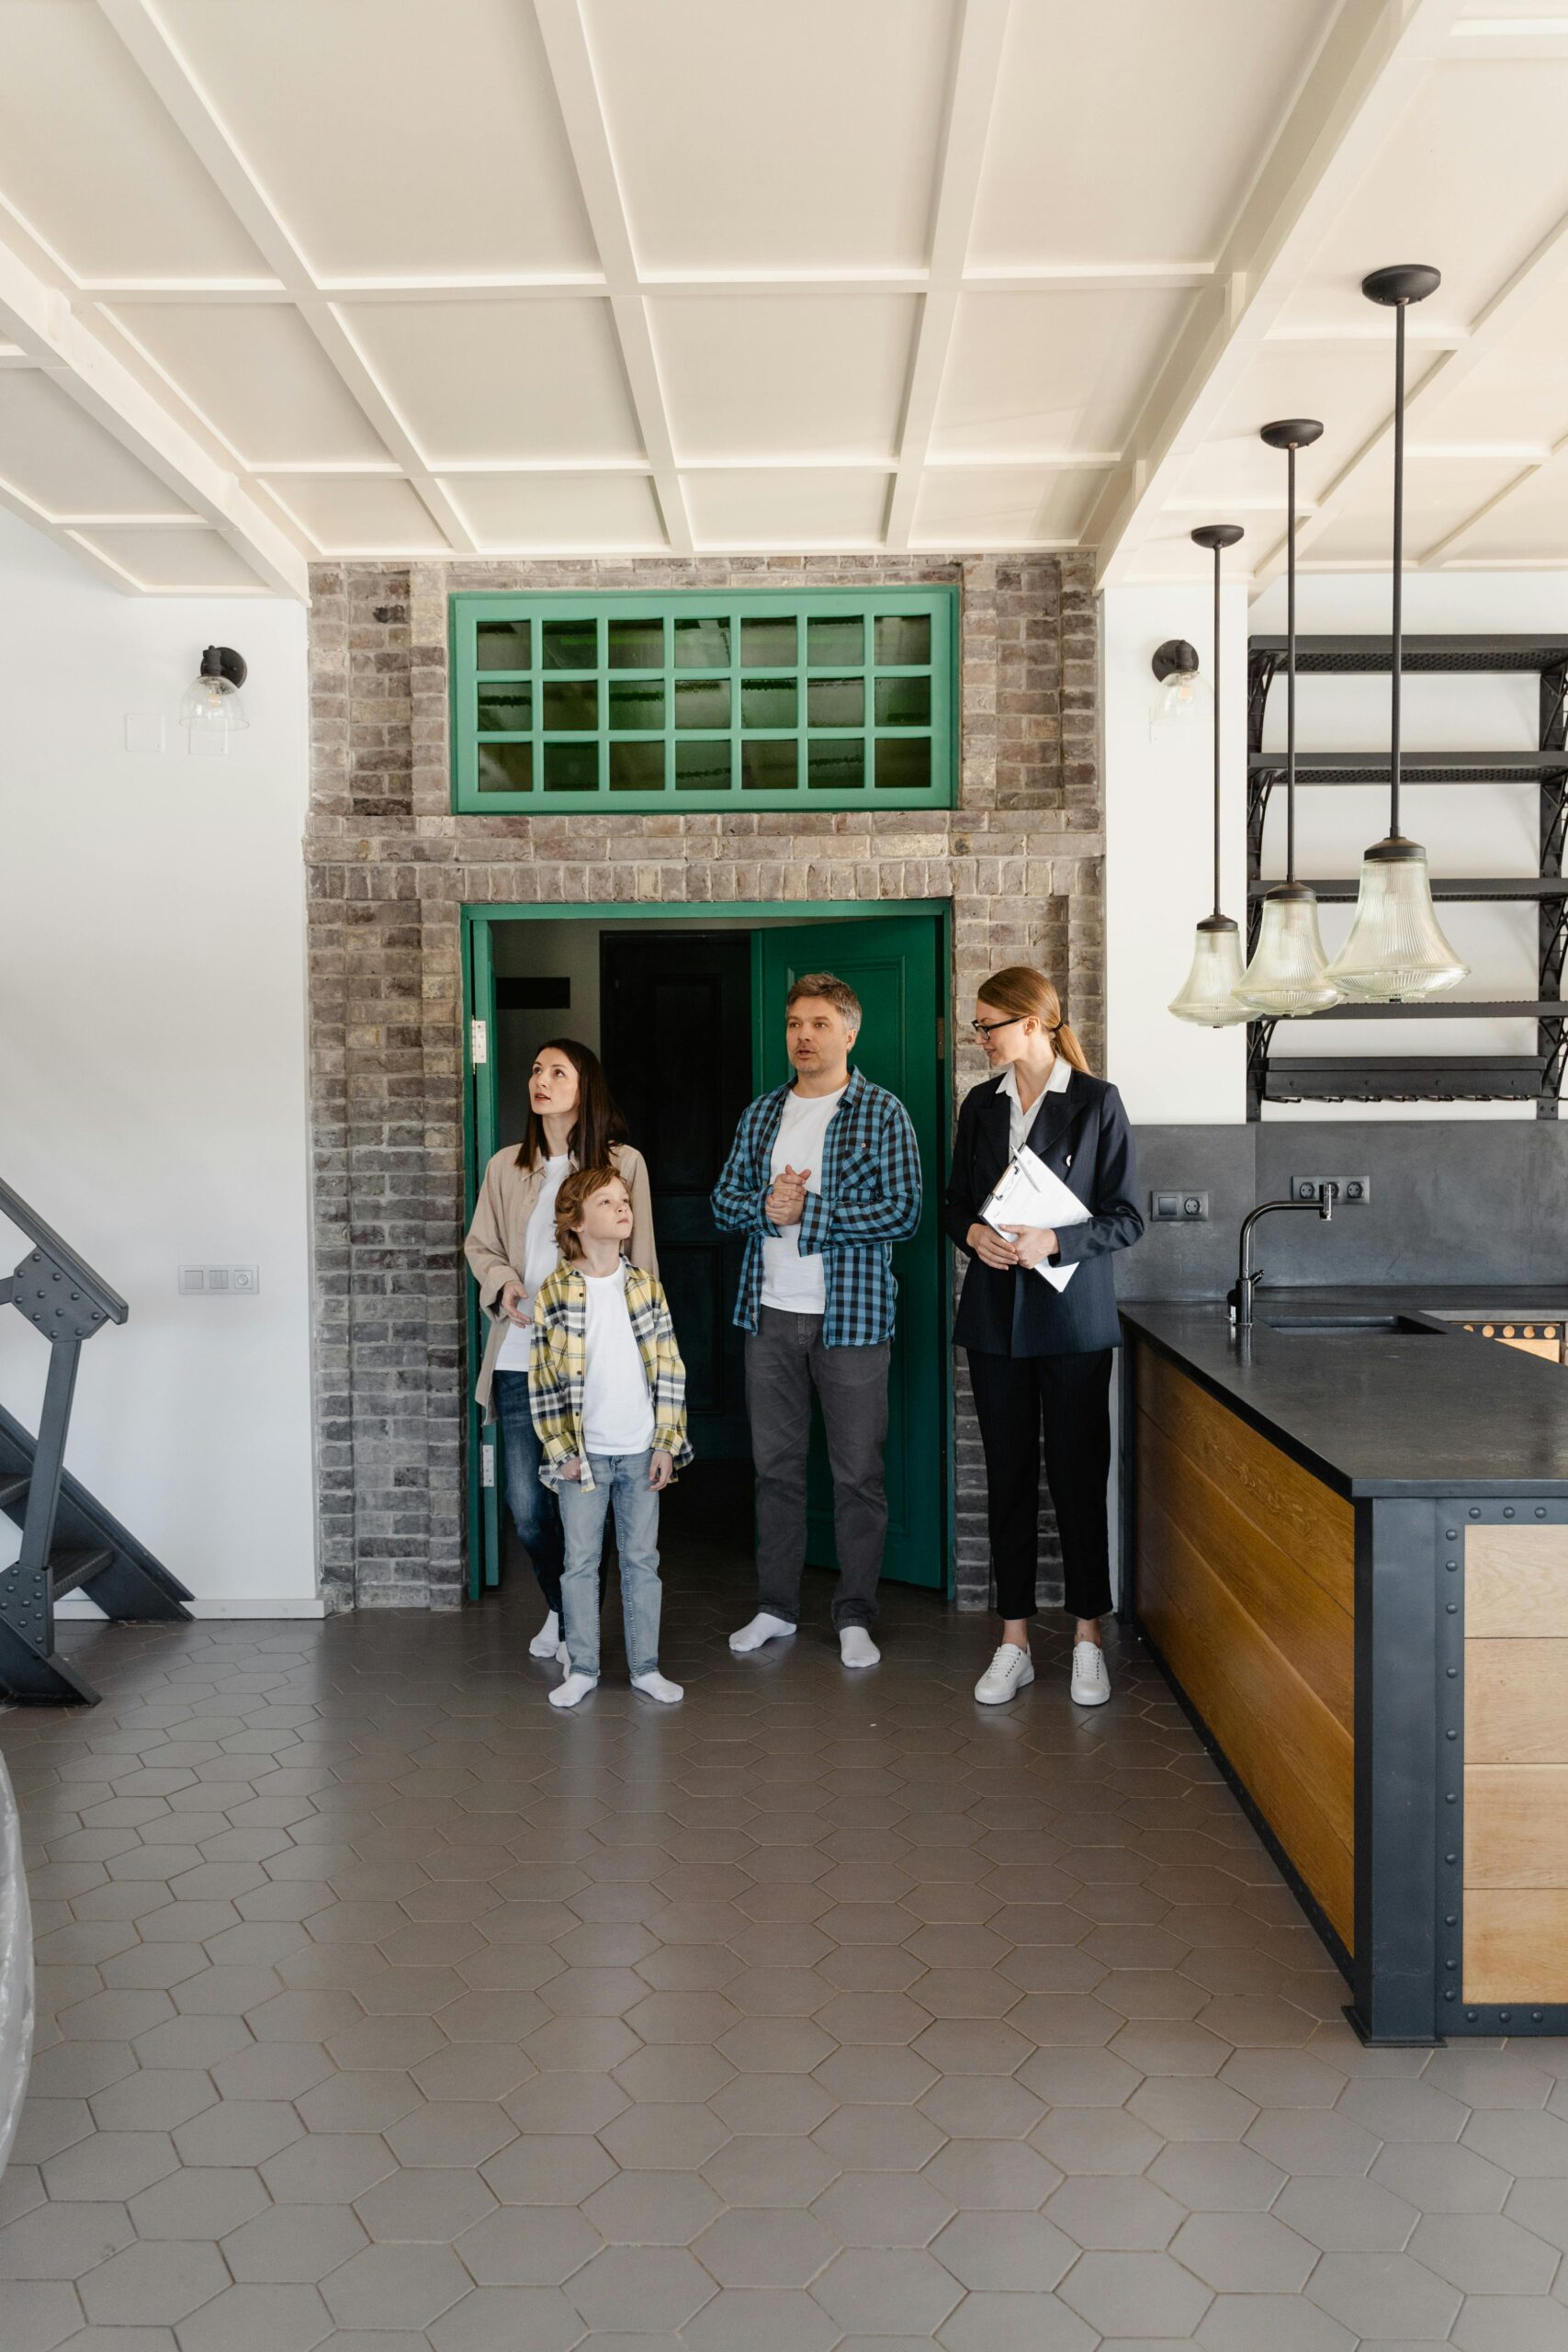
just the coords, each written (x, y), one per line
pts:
(1030, 1193)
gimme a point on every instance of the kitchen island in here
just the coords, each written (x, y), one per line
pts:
(1345, 1536)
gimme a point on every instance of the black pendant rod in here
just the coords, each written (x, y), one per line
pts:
(1397, 631)
(1290, 664)
(1396, 288)
(1291, 434)
(1217, 709)
(1216, 536)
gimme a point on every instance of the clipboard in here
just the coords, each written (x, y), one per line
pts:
(1028, 1193)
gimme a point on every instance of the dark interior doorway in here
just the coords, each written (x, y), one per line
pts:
(675, 1029)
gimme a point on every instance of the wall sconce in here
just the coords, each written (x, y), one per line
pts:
(1182, 689)
(212, 707)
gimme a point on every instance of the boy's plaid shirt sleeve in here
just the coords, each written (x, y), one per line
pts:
(655, 1335)
(870, 1199)
(557, 1363)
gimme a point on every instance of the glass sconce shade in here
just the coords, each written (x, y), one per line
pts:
(1288, 973)
(212, 707)
(1396, 953)
(1183, 689)
(1207, 997)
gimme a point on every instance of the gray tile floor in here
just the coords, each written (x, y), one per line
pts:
(383, 2008)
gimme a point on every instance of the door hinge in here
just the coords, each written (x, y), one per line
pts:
(487, 1466)
(479, 1042)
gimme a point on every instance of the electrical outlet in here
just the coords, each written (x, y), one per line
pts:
(1179, 1208)
(1350, 1191)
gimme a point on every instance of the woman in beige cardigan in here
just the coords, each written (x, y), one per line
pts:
(511, 1248)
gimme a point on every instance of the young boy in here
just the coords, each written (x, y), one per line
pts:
(608, 1392)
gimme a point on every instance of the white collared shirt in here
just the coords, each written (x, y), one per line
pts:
(1022, 1120)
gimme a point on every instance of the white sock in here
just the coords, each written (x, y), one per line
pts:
(575, 1687)
(659, 1686)
(546, 1641)
(857, 1649)
(764, 1627)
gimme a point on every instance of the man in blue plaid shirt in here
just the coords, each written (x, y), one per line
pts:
(823, 1177)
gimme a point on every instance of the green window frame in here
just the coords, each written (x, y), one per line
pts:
(767, 698)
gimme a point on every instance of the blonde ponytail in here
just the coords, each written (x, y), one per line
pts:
(1019, 990)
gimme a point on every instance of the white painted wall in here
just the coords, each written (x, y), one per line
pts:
(1473, 829)
(152, 1059)
(1159, 852)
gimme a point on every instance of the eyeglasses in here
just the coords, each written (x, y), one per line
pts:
(987, 1028)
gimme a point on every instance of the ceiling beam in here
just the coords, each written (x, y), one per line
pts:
(174, 83)
(40, 318)
(1374, 58)
(570, 60)
(976, 70)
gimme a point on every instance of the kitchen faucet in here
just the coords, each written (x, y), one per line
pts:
(1247, 1280)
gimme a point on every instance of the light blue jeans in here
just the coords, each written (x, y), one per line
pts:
(619, 1479)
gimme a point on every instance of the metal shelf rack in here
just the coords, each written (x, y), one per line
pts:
(1422, 1078)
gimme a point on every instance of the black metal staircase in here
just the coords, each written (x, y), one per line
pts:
(1424, 1077)
(70, 1543)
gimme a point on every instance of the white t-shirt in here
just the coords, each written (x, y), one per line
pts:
(539, 1260)
(798, 1283)
(617, 1411)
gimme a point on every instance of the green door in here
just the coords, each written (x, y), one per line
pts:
(893, 963)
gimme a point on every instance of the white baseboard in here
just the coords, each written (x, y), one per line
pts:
(223, 1607)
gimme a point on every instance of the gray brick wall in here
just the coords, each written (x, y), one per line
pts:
(391, 867)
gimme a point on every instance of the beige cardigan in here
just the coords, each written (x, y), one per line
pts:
(494, 1246)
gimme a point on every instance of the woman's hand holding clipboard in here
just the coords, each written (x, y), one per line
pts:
(1029, 1194)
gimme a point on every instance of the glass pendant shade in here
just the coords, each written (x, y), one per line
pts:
(1396, 953)
(1287, 974)
(1208, 995)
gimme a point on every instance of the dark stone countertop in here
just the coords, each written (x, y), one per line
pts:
(1383, 1413)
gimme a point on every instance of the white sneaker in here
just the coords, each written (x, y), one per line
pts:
(546, 1641)
(659, 1686)
(1091, 1677)
(1007, 1675)
(575, 1687)
(857, 1649)
(764, 1627)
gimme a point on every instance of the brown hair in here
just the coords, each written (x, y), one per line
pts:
(598, 1123)
(836, 992)
(573, 1198)
(1019, 990)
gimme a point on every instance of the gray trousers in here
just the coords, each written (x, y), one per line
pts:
(784, 1360)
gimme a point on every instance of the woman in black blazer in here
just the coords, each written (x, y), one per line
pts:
(1039, 1357)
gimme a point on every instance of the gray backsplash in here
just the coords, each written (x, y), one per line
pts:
(1452, 1202)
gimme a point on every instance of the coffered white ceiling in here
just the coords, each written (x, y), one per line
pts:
(284, 279)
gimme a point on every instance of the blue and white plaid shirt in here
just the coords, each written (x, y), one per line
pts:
(870, 1198)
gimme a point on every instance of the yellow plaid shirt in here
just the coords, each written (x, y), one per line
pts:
(558, 1362)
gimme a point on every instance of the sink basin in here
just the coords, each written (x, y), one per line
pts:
(1405, 1325)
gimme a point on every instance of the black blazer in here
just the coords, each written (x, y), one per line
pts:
(1083, 1136)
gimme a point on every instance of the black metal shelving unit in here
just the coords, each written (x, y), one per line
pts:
(1424, 1078)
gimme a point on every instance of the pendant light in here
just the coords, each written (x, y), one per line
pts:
(1287, 974)
(1207, 997)
(1396, 951)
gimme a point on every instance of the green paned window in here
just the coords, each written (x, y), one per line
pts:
(503, 645)
(759, 697)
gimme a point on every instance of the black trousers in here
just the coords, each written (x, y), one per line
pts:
(1067, 1399)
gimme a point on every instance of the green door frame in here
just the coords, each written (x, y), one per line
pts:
(479, 1140)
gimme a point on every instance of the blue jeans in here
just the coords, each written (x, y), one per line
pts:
(620, 1480)
(535, 1511)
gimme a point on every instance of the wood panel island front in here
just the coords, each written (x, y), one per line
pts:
(1345, 1534)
